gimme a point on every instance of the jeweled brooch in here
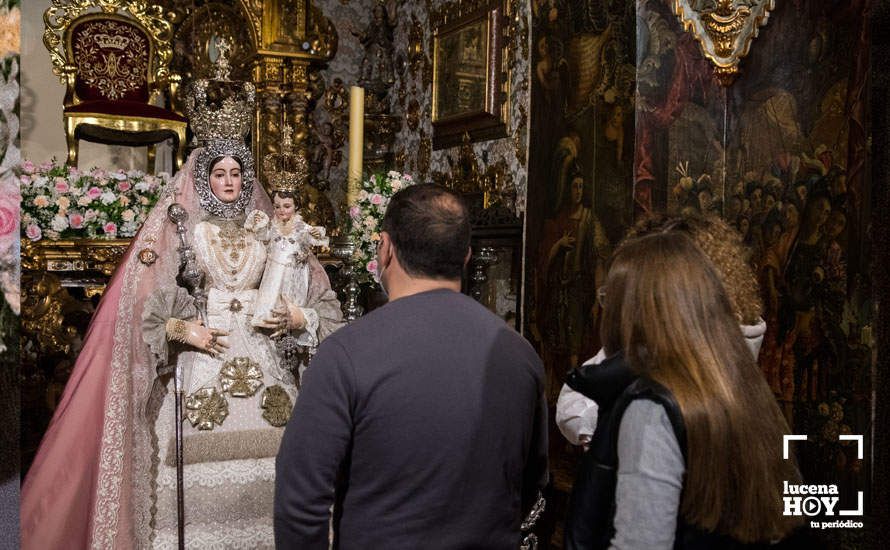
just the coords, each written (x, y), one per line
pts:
(241, 377)
(276, 405)
(206, 408)
(148, 256)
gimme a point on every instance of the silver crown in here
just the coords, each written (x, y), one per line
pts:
(220, 108)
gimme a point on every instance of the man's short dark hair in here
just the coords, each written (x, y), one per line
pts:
(430, 228)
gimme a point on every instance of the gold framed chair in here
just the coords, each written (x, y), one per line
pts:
(113, 57)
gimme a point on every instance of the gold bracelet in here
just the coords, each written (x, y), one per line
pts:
(176, 330)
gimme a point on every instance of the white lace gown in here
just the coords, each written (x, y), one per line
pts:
(230, 469)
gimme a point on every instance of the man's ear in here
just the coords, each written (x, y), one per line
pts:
(468, 256)
(384, 251)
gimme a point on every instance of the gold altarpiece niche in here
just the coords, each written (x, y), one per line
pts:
(279, 49)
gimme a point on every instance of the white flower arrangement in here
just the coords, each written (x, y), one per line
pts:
(63, 202)
(366, 217)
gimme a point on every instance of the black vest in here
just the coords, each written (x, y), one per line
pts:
(589, 523)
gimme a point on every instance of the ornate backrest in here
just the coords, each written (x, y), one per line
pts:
(113, 55)
(108, 49)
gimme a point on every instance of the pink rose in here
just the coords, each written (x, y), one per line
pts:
(33, 232)
(46, 166)
(94, 193)
(372, 267)
(61, 185)
(355, 213)
(28, 167)
(123, 186)
(376, 198)
(25, 180)
(110, 228)
(9, 215)
(75, 220)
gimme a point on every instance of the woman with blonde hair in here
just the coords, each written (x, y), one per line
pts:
(688, 449)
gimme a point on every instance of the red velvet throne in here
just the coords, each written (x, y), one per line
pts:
(115, 65)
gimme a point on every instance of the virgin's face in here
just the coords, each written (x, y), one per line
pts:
(225, 180)
(284, 208)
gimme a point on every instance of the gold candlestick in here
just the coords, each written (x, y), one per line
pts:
(356, 143)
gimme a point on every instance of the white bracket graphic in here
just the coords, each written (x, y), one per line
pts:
(790, 437)
(860, 509)
(860, 446)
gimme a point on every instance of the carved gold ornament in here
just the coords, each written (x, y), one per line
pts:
(148, 256)
(241, 377)
(276, 405)
(724, 29)
(206, 408)
(103, 255)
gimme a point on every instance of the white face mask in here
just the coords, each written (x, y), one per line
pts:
(379, 274)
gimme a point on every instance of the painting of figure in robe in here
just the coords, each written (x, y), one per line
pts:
(779, 154)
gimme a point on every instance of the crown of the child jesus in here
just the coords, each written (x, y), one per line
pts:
(287, 170)
(220, 108)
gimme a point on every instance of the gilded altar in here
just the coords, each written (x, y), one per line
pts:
(60, 280)
(99, 256)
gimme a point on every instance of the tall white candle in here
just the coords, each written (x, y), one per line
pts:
(356, 143)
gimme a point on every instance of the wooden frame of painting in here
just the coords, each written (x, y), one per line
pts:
(470, 83)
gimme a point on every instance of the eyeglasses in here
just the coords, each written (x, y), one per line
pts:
(601, 296)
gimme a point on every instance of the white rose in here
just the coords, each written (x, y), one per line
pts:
(59, 223)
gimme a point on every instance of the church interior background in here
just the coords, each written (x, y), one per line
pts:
(595, 112)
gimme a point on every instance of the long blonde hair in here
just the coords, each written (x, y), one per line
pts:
(666, 307)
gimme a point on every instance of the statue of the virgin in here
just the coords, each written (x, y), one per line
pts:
(105, 475)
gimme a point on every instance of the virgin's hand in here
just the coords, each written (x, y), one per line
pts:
(205, 339)
(287, 317)
(275, 322)
(315, 232)
(295, 318)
